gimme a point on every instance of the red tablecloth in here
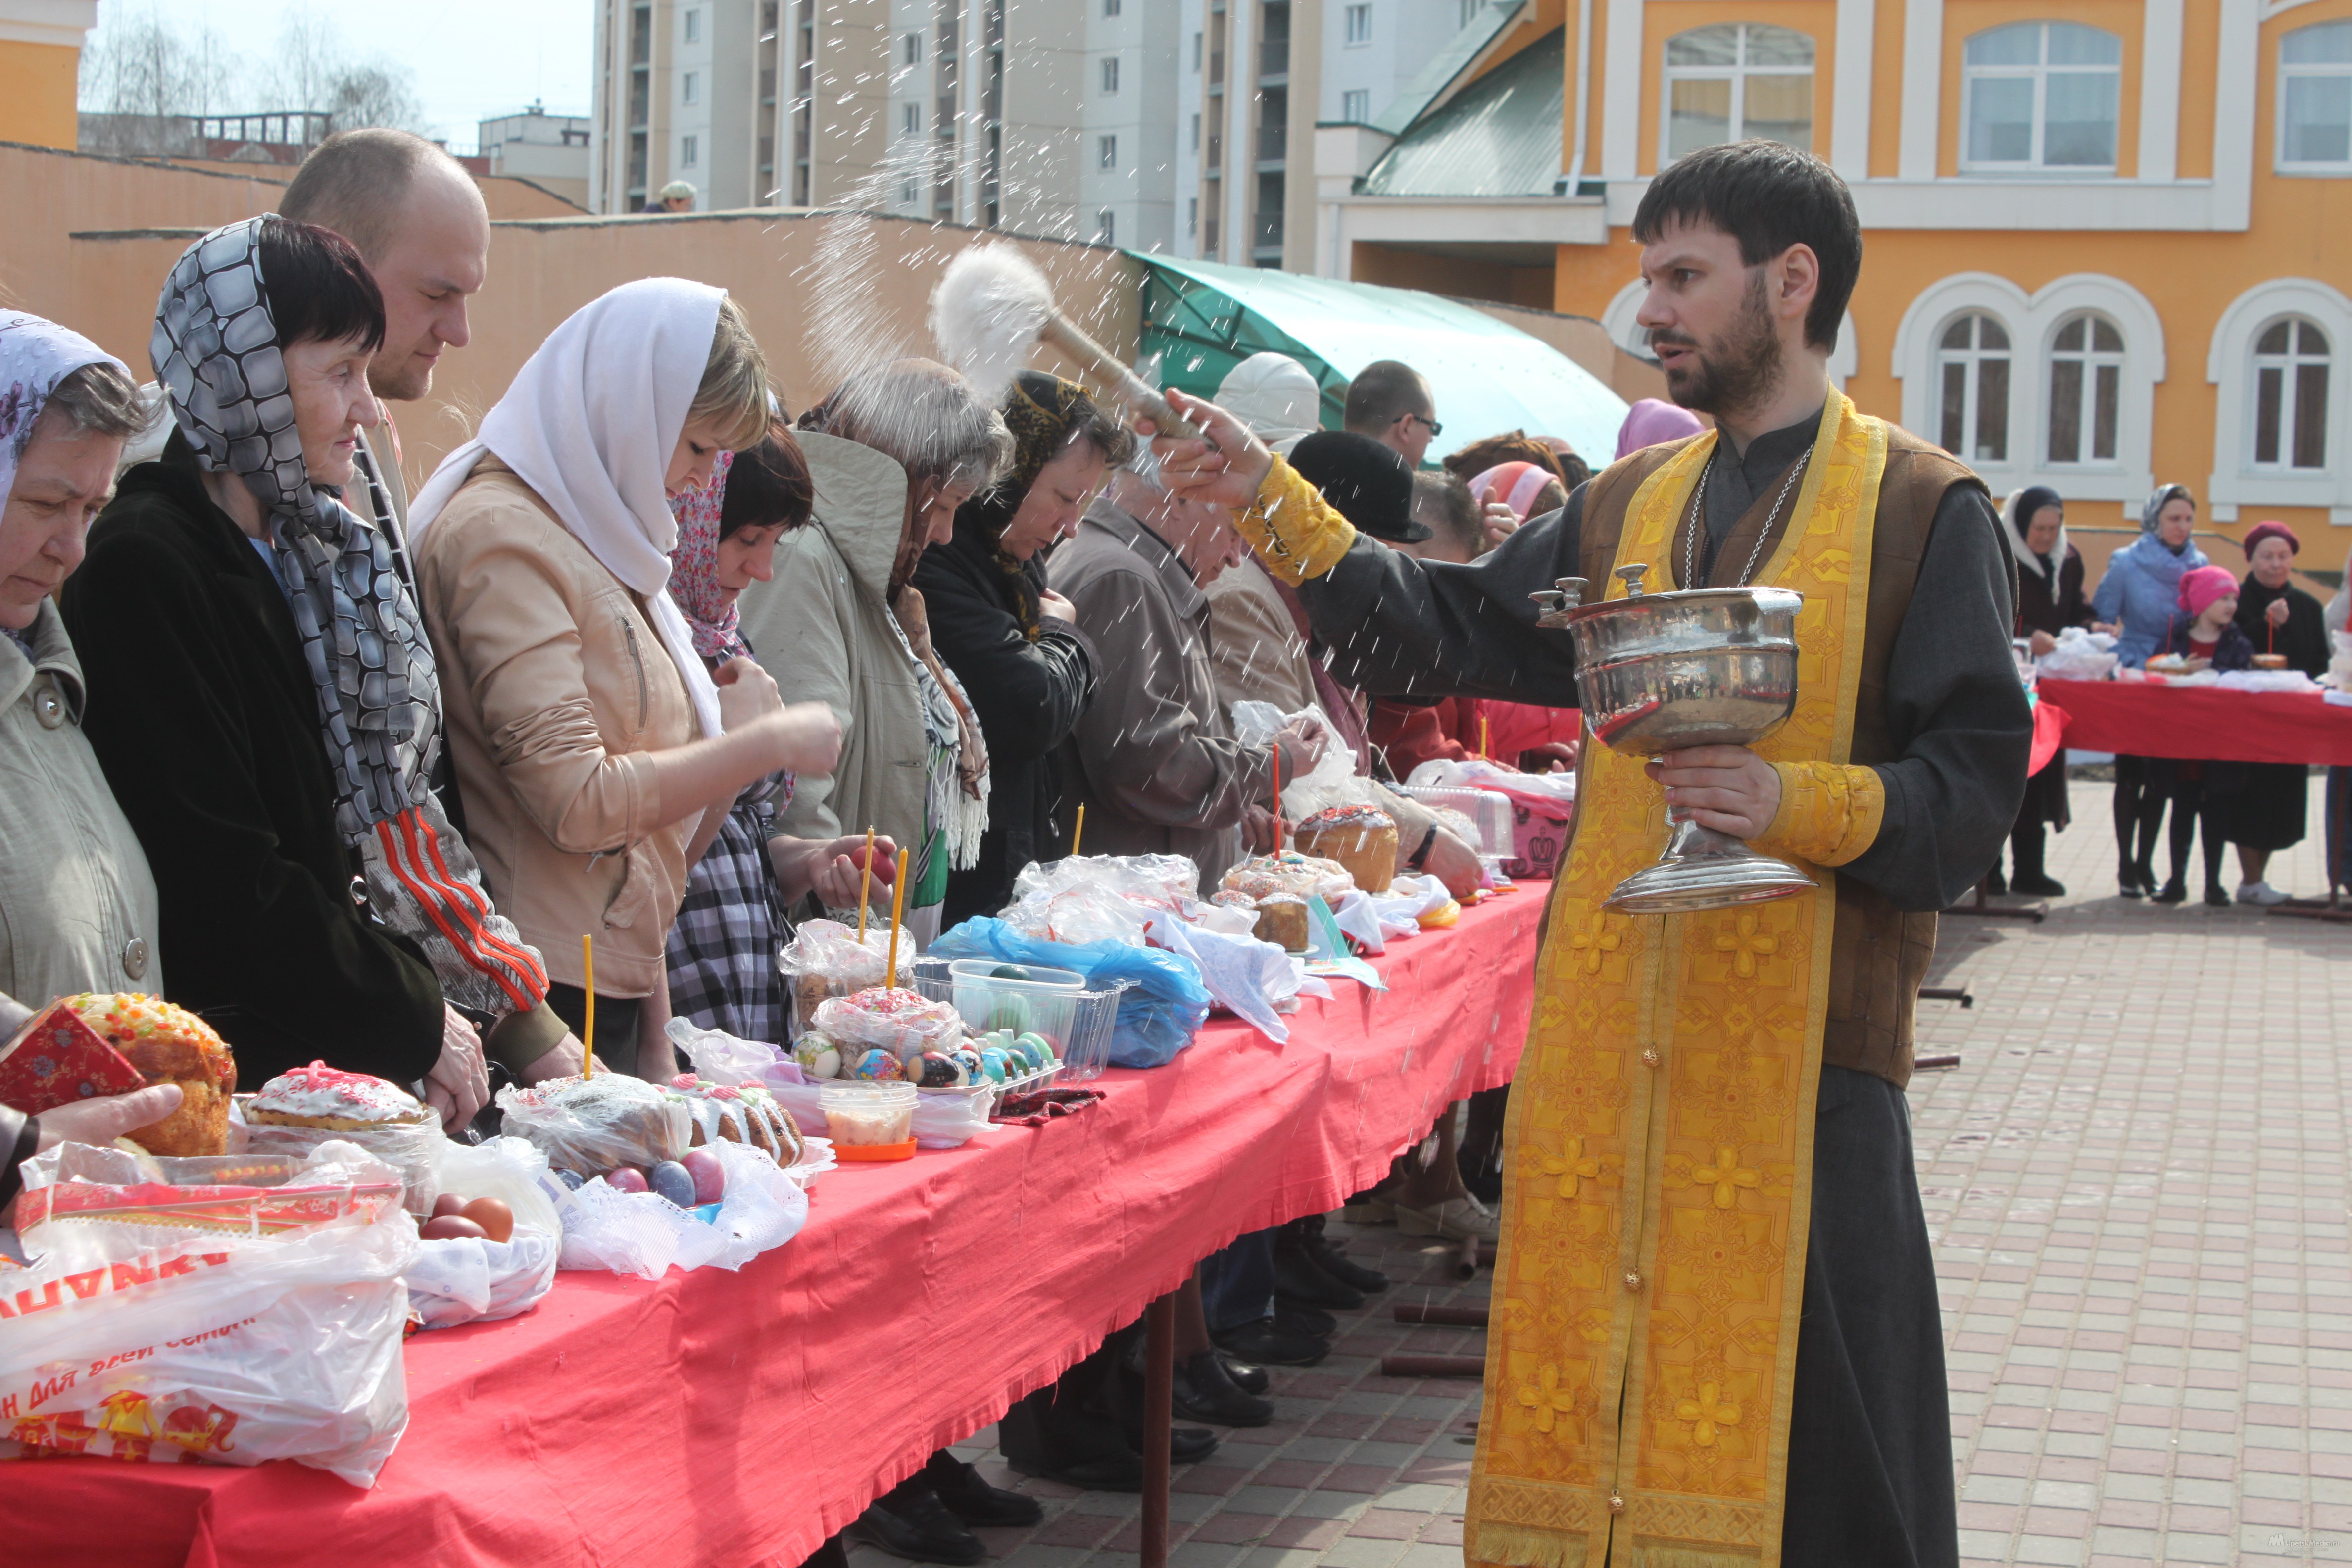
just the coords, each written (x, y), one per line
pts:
(2140, 720)
(717, 1418)
(2049, 735)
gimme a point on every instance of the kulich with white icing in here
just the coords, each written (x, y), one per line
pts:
(740, 1114)
(321, 1096)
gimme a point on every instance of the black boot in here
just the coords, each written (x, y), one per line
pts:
(1062, 1432)
(1297, 1318)
(973, 1501)
(2174, 891)
(910, 1521)
(1336, 1263)
(1299, 1277)
(2026, 846)
(1123, 1401)
(1206, 1393)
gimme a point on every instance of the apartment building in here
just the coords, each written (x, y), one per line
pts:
(550, 150)
(2100, 235)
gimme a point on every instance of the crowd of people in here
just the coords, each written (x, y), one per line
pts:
(349, 771)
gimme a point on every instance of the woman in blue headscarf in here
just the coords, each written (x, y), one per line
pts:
(2139, 594)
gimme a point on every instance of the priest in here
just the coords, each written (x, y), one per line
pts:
(1715, 1336)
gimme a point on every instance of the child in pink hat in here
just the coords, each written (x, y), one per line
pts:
(2206, 631)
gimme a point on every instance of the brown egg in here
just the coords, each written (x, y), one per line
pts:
(447, 1204)
(451, 1227)
(496, 1219)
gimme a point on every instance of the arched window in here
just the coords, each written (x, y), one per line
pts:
(2314, 99)
(2042, 95)
(2290, 409)
(1735, 80)
(2087, 377)
(1972, 378)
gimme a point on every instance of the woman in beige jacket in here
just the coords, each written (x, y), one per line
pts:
(594, 753)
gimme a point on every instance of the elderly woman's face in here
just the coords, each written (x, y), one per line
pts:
(326, 381)
(930, 519)
(2176, 521)
(1051, 509)
(2272, 561)
(2041, 529)
(62, 480)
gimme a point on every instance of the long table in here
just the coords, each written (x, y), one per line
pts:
(719, 1418)
(2140, 718)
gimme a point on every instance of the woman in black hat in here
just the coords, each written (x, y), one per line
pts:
(2049, 600)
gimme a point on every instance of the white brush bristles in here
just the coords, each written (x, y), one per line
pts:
(986, 314)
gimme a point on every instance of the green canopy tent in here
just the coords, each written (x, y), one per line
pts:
(1202, 319)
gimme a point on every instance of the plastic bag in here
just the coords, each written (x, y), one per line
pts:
(413, 1149)
(2079, 656)
(898, 1021)
(1156, 1019)
(824, 959)
(594, 1125)
(458, 1280)
(2288, 680)
(1332, 781)
(720, 1058)
(1164, 877)
(646, 1234)
(265, 1324)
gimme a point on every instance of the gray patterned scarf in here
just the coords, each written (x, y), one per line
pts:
(216, 352)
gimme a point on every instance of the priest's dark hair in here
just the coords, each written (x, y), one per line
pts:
(1768, 197)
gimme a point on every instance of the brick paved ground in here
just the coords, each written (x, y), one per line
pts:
(2137, 1182)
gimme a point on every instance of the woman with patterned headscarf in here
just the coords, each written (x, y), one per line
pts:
(263, 700)
(1013, 643)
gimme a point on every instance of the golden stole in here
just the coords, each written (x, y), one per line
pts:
(1646, 1301)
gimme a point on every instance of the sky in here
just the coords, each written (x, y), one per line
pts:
(469, 59)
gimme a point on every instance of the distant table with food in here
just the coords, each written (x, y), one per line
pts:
(743, 1417)
(2148, 718)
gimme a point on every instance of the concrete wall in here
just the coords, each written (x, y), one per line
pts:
(542, 272)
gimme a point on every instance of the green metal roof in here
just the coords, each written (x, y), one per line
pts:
(1202, 319)
(1498, 137)
(1449, 62)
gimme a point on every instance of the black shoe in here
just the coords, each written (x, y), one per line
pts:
(1327, 1257)
(2128, 883)
(1206, 1393)
(2217, 896)
(1061, 1442)
(1995, 884)
(2174, 891)
(973, 1501)
(1248, 1377)
(2146, 874)
(1295, 1317)
(2035, 885)
(1300, 1278)
(910, 1521)
(1186, 1445)
(1268, 1345)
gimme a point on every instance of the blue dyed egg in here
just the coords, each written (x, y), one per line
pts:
(876, 1066)
(995, 1063)
(674, 1182)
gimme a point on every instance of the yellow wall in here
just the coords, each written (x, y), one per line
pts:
(36, 93)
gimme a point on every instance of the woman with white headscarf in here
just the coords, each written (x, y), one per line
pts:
(593, 746)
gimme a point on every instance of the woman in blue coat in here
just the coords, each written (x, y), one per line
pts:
(2138, 596)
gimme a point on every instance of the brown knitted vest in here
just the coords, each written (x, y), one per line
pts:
(1878, 953)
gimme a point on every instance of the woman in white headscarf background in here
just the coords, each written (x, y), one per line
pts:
(595, 754)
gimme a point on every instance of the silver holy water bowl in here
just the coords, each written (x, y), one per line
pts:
(1659, 672)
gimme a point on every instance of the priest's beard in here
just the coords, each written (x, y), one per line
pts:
(1740, 369)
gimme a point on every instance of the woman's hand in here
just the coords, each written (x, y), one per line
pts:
(2108, 627)
(746, 693)
(1453, 863)
(2040, 643)
(100, 1121)
(2276, 614)
(1227, 468)
(1498, 522)
(1053, 605)
(808, 739)
(459, 1084)
(833, 870)
(1728, 788)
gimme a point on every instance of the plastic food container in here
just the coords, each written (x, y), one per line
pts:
(1489, 809)
(1088, 1050)
(1045, 1003)
(869, 1121)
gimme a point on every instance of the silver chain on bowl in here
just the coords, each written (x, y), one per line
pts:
(1698, 517)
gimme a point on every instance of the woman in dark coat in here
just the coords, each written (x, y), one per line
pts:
(2268, 810)
(2049, 599)
(1027, 667)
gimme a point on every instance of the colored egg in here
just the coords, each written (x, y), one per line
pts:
(1008, 972)
(496, 1218)
(627, 1179)
(452, 1228)
(670, 1180)
(993, 1061)
(1011, 1015)
(876, 1066)
(818, 1056)
(936, 1069)
(1040, 1047)
(447, 1204)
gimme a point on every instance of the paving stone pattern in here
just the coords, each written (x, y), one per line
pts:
(2137, 1184)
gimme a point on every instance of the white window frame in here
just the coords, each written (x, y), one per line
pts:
(2289, 382)
(689, 151)
(2229, 366)
(2032, 320)
(1108, 75)
(693, 24)
(2279, 161)
(1359, 24)
(2035, 168)
(689, 87)
(1617, 321)
(1737, 74)
(1355, 105)
(2092, 358)
(1974, 357)
(911, 50)
(1107, 152)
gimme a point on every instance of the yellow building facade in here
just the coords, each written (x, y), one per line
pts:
(2100, 235)
(41, 62)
